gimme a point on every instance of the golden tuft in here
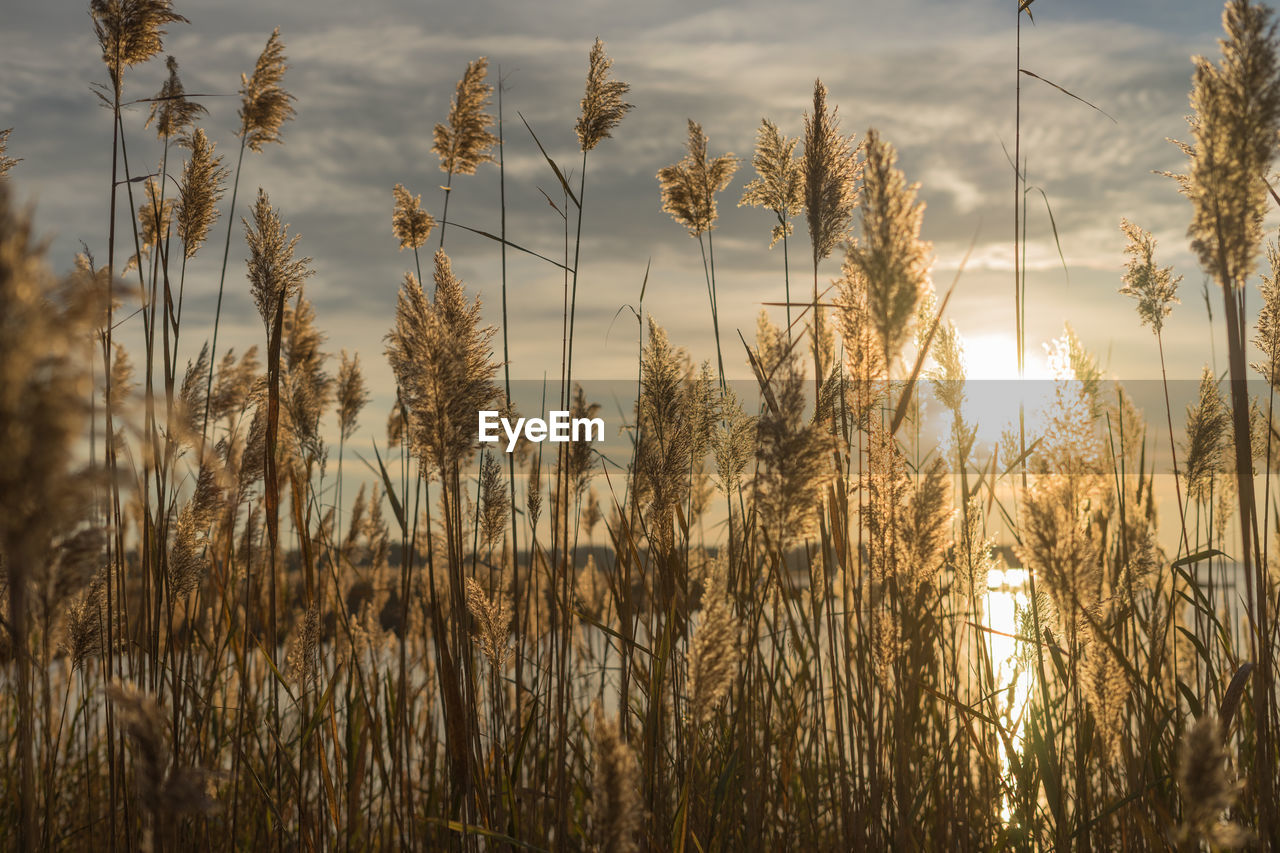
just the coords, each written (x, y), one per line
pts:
(130, 32)
(303, 659)
(892, 257)
(154, 219)
(352, 394)
(264, 105)
(713, 659)
(779, 182)
(617, 811)
(689, 187)
(493, 621)
(1267, 338)
(440, 355)
(602, 105)
(1208, 422)
(464, 143)
(831, 173)
(792, 454)
(1207, 791)
(274, 275)
(1236, 108)
(1154, 287)
(493, 502)
(410, 223)
(171, 112)
(203, 184)
(6, 163)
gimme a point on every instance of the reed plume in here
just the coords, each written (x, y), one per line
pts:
(303, 659)
(533, 491)
(1060, 543)
(154, 219)
(689, 187)
(831, 172)
(733, 442)
(1106, 689)
(713, 659)
(275, 276)
(892, 257)
(409, 222)
(1267, 337)
(130, 32)
(1207, 791)
(44, 384)
(171, 112)
(439, 353)
(352, 394)
(1154, 287)
(1208, 422)
(308, 387)
(617, 810)
(792, 454)
(493, 620)
(6, 162)
(887, 486)
(779, 185)
(602, 106)
(202, 187)
(925, 525)
(464, 143)
(264, 104)
(493, 501)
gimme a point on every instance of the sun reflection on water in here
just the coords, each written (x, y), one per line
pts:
(1006, 594)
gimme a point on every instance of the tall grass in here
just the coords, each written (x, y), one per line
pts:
(792, 620)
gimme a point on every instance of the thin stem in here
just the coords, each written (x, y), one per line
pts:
(222, 280)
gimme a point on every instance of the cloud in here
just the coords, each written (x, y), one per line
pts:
(372, 79)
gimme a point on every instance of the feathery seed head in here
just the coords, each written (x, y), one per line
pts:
(893, 258)
(171, 112)
(1207, 791)
(130, 32)
(617, 811)
(1236, 107)
(493, 501)
(779, 183)
(203, 184)
(410, 223)
(352, 394)
(6, 163)
(264, 105)
(831, 173)
(1208, 423)
(793, 454)
(274, 275)
(1154, 287)
(441, 358)
(713, 660)
(689, 187)
(602, 105)
(464, 143)
(1267, 338)
(493, 621)
(45, 383)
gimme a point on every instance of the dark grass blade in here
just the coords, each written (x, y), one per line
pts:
(1069, 93)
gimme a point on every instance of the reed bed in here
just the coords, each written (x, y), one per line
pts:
(770, 626)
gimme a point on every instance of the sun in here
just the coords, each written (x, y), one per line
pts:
(995, 394)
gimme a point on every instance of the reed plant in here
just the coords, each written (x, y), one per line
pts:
(781, 619)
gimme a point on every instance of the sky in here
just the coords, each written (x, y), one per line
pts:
(937, 79)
